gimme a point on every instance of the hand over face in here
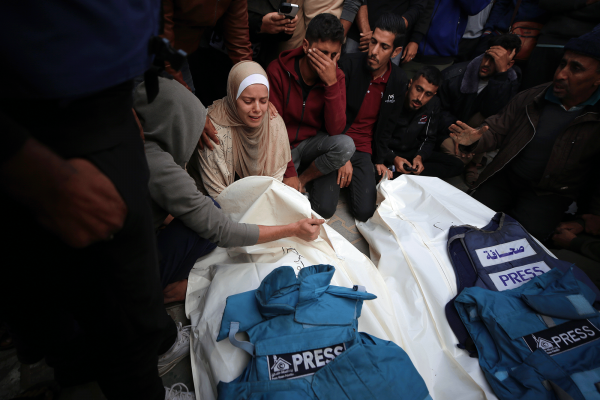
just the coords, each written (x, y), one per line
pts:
(463, 134)
(503, 58)
(325, 67)
(308, 229)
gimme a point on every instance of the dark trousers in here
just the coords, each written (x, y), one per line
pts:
(178, 249)
(363, 193)
(94, 313)
(439, 165)
(507, 192)
(329, 154)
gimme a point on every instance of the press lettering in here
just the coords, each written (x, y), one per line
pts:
(573, 338)
(565, 338)
(296, 360)
(513, 276)
(308, 357)
(523, 278)
(538, 270)
(528, 272)
(328, 355)
(580, 333)
(319, 358)
(295, 365)
(504, 279)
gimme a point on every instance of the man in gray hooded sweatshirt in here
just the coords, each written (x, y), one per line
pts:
(172, 126)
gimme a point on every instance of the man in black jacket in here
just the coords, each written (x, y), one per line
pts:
(410, 148)
(374, 87)
(477, 89)
(481, 87)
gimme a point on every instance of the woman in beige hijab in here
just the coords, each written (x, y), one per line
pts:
(250, 143)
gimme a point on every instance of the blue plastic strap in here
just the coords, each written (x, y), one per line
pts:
(248, 347)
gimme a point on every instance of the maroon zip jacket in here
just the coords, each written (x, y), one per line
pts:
(325, 105)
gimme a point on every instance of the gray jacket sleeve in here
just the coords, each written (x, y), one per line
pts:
(175, 192)
(351, 8)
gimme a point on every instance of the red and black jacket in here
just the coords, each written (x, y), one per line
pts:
(324, 108)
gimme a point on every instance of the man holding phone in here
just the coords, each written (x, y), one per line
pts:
(309, 92)
(270, 23)
(410, 149)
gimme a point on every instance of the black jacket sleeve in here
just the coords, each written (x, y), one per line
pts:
(422, 24)
(387, 121)
(14, 137)
(430, 131)
(415, 9)
(446, 117)
(499, 91)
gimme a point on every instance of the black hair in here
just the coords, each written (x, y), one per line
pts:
(432, 74)
(325, 27)
(394, 24)
(508, 41)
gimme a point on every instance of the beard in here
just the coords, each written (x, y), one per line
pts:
(369, 67)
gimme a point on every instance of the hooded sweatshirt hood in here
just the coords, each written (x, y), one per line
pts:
(174, 120)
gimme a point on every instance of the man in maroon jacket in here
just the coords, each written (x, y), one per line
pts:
(309, 92)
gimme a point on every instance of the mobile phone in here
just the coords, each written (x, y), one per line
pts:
(288, 9)
(409, 168)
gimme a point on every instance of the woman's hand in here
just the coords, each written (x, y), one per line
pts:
(308, 229)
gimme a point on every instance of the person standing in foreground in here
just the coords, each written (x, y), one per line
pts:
(548, 141)
(373, 84)
(81, 254)
(308, 90)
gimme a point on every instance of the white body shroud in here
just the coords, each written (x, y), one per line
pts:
(413, 282)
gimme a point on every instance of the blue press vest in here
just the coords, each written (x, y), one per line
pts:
(539, 340)
(500, 256)
(304, 343)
